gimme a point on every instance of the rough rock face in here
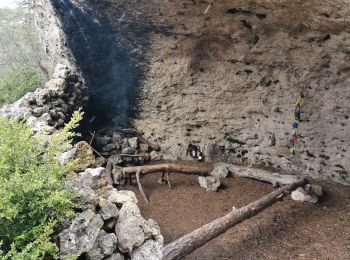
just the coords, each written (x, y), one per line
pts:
(50, 107)
(132, 230)
(80, 237)
(227, 81)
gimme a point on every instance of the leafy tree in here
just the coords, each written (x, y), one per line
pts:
(23, 63)
(18, 82)
(33, 191)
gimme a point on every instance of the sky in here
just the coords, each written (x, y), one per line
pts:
(7, 3)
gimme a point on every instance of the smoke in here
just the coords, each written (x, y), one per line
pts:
(107, 57)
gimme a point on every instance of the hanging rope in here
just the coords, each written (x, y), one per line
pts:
(293, 137)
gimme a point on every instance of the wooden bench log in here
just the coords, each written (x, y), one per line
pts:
(190, 242)
(195, 169)
(275, 179)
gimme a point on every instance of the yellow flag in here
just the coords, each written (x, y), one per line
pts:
(298, 101)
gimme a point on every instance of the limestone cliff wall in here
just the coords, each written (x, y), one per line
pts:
(225, 80)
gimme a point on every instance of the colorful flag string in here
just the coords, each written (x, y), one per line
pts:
(293, 137)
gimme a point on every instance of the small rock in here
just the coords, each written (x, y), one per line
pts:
(118, 175)
(301, 194)
(122, 197)
(317, 189)
(133, 142)
(221, 170)
(104, 246)
(209, 183)
(155, 156)
(61, 72)
(107, 209)
(150, 250)
(144, 148)
(92, 178)
(80, 237)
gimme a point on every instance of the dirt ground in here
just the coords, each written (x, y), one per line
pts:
(287, 230)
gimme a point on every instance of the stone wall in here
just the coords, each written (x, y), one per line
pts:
(50, 107)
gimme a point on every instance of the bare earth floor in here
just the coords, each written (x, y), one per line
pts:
(287, 230)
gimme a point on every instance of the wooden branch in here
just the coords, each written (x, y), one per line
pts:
(197, 169)
(140, 186)
(190, 242)
(275, 179)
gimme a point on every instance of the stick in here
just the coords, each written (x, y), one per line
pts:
(178, 167)
(190, 242)
(168, 179)
(140, 186)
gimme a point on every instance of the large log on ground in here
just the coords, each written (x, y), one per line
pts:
(275, 179)
(196, 169)
(190, 242)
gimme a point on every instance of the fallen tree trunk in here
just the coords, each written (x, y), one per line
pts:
(275, 179)
(198, 169)
(190, 242)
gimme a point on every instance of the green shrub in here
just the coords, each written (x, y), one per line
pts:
(33, 194)
(16, 83)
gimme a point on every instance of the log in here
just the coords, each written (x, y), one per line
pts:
(190, 242)
(275, 179)
(197, 169)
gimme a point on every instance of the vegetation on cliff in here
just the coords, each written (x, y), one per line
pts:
(23, 64)
(33, 189)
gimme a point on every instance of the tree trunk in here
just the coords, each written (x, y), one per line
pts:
(275, 179)
(195, 169)
(190, 242)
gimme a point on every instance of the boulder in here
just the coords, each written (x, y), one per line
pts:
(81, 236)
(88, 198)
(133, 142)
(304, 194)
(93, 178)
(132, 229)
(122, 197)
(209, 183)
(105, 245)
(115, 256)
(107, 209)
(85, 157)
(150, 250)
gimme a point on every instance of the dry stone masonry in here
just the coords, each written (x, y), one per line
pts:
(48, 108)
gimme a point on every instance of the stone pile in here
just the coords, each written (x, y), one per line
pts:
(50, 107)
(130, 148)
(110, 225)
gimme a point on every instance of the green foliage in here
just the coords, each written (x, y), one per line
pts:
(23, 64)
(17, 83)
(34, 197)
